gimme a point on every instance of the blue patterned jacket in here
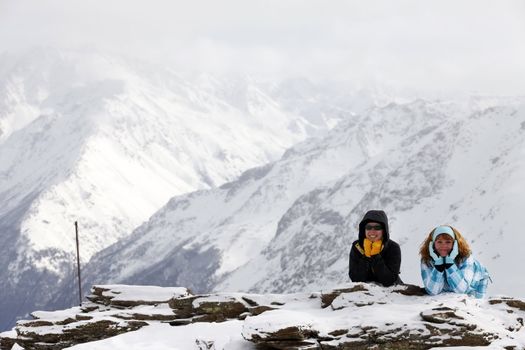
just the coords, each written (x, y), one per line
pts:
(470, 277)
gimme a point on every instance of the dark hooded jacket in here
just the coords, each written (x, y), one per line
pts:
(383, 267)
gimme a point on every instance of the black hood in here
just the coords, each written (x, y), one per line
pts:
(375, 216)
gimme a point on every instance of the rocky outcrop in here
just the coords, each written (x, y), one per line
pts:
(366, 316)
(116, 309)
(355, 316)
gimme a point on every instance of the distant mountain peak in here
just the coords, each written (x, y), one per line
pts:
(106, 141)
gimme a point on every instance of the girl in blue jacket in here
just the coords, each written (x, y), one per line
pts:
(447, 264)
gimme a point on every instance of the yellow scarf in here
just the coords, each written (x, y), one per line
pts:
(372, 248)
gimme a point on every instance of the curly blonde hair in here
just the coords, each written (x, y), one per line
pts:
(463, 248)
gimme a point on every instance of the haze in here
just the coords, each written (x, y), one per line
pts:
(467, 46)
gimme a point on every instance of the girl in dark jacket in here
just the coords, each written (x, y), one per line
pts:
(374, 257)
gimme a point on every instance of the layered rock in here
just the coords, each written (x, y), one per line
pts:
(354, 316)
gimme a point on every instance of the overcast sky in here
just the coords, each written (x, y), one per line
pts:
(470, 45)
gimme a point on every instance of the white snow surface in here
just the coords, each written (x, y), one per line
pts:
(122, 292)
(107, 141)
(225, 335)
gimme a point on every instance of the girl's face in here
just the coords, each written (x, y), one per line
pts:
(443, 244)
(374, 231)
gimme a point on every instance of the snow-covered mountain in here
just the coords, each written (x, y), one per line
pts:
(287, 226)
(107, 141)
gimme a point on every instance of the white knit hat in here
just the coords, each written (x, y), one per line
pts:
(447, 230)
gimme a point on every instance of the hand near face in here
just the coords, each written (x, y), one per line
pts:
(377, 246)
(437, 259)
(449, 259)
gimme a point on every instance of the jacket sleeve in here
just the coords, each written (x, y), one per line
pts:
(433, 280)
(386, 266)
(358, 266)
(460, 278)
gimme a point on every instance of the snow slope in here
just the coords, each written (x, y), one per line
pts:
(288, 226)
(107, 141)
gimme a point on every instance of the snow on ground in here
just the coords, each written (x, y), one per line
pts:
(124, 292)
(350, 314)
(225, 335)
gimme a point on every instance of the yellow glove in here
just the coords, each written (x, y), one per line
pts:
(377, 246)
(367, 245)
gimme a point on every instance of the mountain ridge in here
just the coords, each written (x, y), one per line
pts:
(422, 166)
(97, 139)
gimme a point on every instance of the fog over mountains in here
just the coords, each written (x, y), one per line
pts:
(231, 183)
(107, 141)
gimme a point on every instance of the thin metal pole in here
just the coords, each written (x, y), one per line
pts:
(78, 268)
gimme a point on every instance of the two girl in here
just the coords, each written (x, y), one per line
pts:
(446, 261)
